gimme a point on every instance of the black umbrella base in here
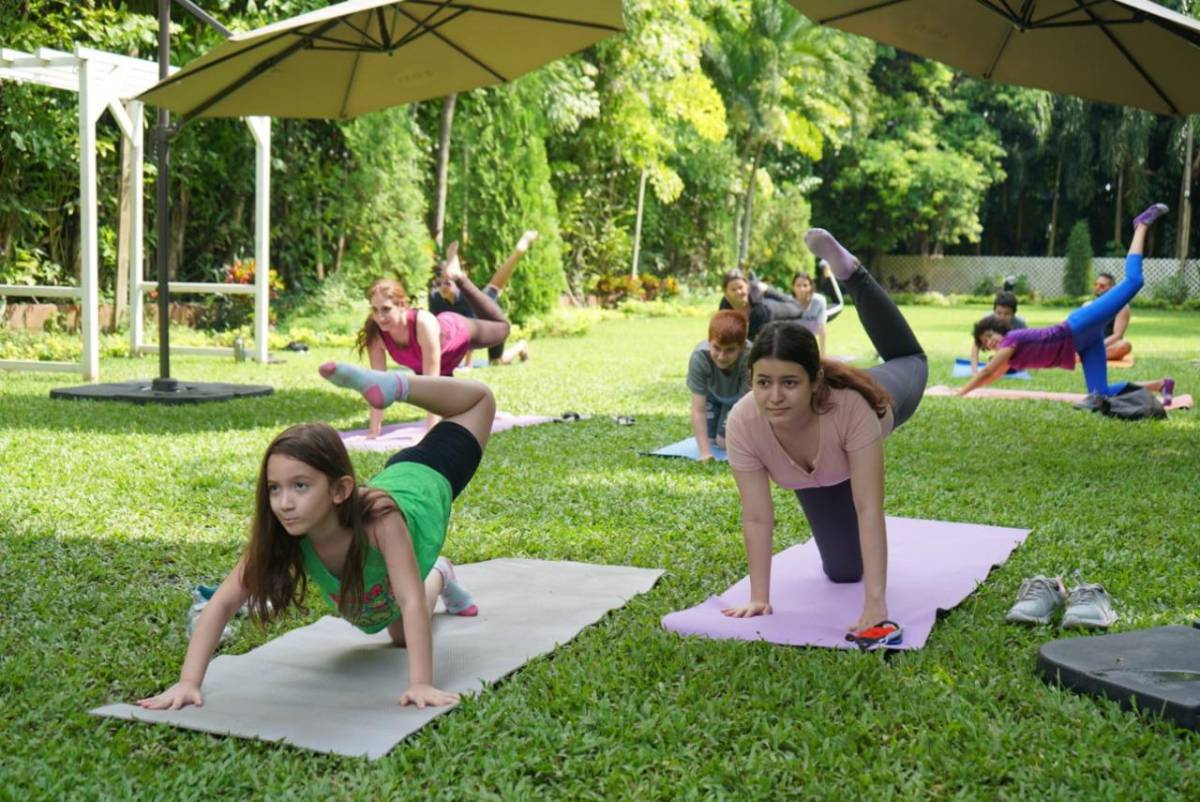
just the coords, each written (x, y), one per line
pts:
(160, 391)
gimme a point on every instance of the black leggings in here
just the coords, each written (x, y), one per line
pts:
(489, 328)
(450, 449)
(904, 373)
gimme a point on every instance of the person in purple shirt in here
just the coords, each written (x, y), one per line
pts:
(1081, 333)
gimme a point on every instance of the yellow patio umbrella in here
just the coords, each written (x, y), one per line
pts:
(1128, 52)
(362, 55)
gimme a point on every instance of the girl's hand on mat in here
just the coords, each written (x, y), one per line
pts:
(748, 610)
(422, 695)
(704, 457)
(181, 694)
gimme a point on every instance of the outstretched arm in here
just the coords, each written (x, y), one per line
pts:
(836, 309)
(992, 371)
(1120, 324)
(429, 338)
(225, 603)
(378, 358)
(758, 529)
(392, 539)
(700, 426)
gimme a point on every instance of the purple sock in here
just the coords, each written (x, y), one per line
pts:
(1152, 213)
(841, 261)
(381, 388)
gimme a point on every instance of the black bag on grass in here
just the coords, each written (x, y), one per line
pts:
(1134, 402)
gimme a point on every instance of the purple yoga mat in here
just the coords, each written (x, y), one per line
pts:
(932, 565)
(402, 435)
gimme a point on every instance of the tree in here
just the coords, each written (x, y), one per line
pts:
(1077, 276)
(505, 190)
(918, 180)
(787, 83)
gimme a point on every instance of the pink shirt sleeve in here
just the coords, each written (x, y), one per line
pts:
(739, 441)
(859, 425)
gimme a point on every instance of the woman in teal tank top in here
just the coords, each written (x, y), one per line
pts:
(373, 550)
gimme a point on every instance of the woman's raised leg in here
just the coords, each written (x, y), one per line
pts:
(905, 371)
(1087, 322)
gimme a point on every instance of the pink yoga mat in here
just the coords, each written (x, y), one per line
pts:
(402, 435)
(1178, 402)
(932, 565)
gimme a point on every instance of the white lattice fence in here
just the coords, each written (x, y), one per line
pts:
(962, 274)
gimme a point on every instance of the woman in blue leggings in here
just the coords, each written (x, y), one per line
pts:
(1081, 333)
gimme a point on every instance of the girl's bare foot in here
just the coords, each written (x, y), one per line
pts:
(526, 240)
(452, 267)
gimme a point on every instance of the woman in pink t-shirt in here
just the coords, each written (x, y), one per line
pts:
(817, 427)
(430, 345)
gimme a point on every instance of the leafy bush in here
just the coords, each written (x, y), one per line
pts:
(505, 190)
(986, 286)
(336, 305)
(1077, 277)
(912, 284)
(1173, 290)
(225, 312)
(612, 291)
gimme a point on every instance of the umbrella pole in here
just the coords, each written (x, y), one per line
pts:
(1185, 207)
(161, 137)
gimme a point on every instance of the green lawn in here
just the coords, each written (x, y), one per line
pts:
(110, 513)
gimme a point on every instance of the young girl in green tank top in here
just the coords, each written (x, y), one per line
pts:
(372, 551)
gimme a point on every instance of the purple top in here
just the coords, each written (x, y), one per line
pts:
(455, 341)
(1051, 347)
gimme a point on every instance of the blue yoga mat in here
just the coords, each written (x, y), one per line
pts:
(688, 449)
(962, 367)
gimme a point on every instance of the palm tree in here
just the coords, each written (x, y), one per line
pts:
(787, 83)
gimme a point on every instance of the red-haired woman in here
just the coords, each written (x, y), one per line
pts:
(428, 344)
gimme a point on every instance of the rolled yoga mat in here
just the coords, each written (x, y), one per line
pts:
(1178, 402)
(330, 688)
(688, 449)
(962, 369)
(932, 565)
(396, 436)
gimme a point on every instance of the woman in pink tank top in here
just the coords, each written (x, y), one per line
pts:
(430, 345)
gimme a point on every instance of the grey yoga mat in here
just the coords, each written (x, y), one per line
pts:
(330, 688)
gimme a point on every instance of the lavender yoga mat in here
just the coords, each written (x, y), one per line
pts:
(932, 565)
(402, 435)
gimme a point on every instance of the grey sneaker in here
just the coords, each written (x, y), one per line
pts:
(1037, 600)
(1088, 607)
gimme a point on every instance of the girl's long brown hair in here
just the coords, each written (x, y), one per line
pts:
(791, 342)
(274, 571)
(370, 331)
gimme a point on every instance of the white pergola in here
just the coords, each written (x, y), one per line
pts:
(105, 81)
